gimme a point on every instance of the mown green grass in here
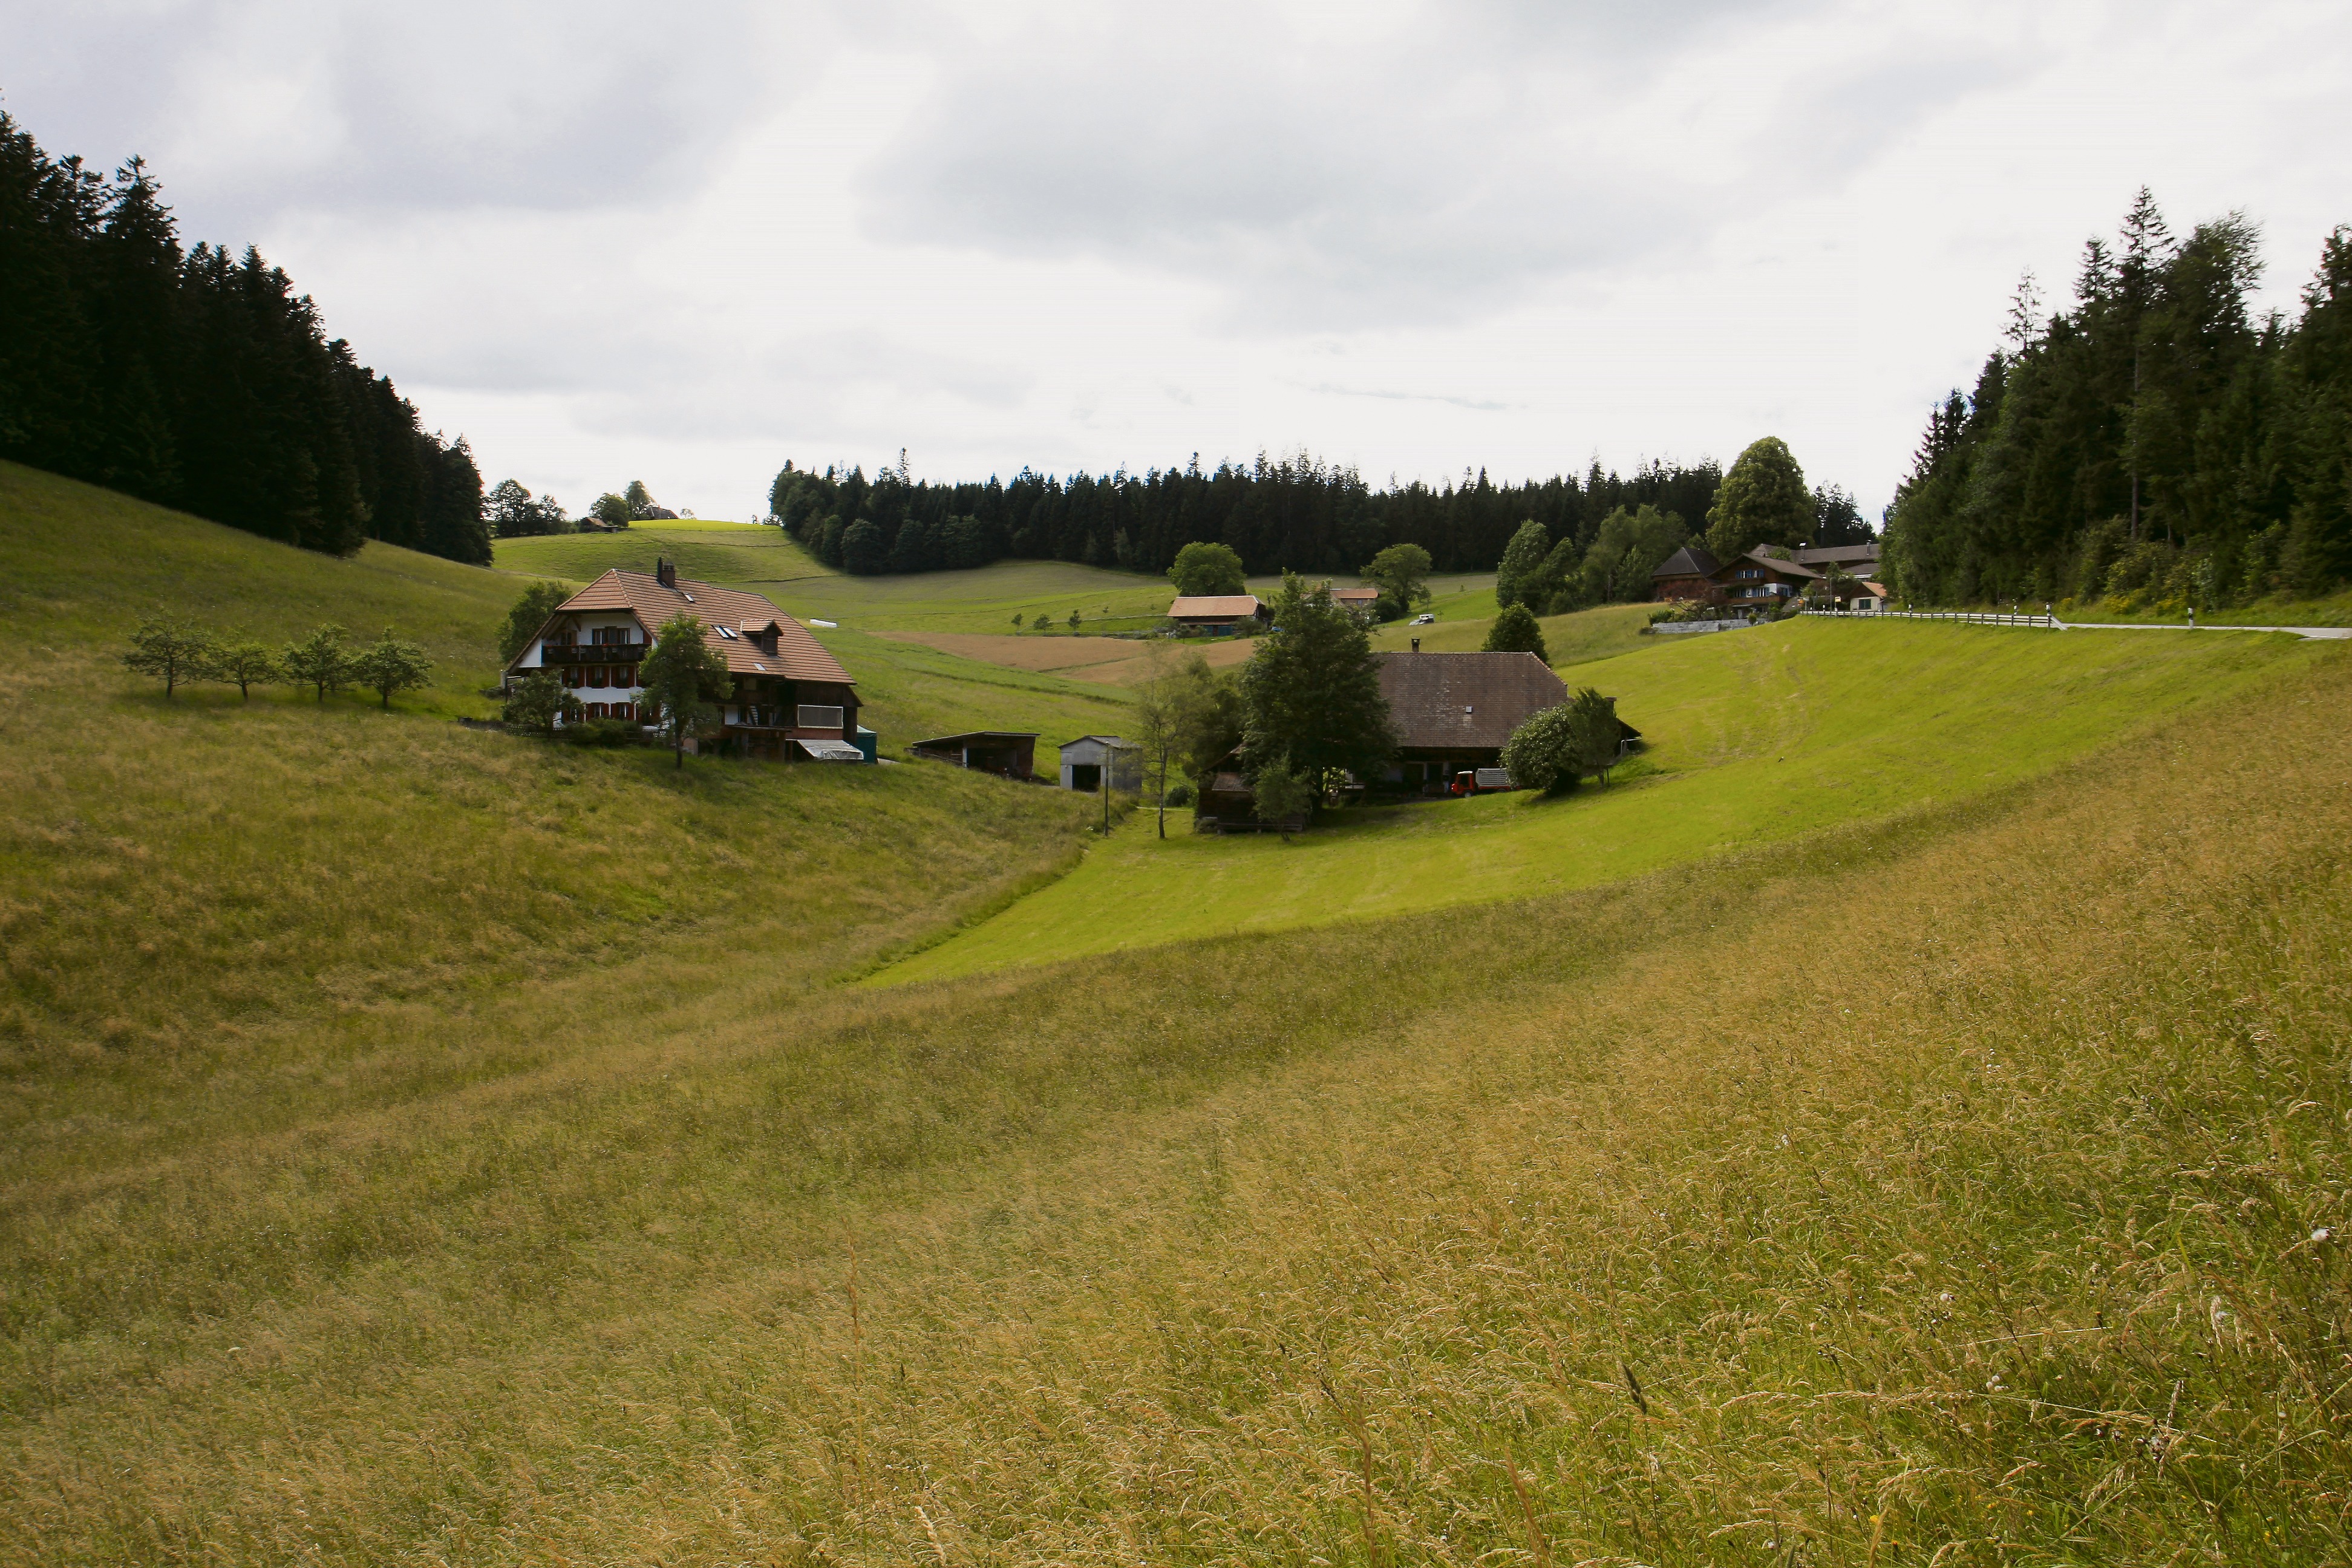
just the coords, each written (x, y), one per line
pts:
(1949, 1188)
(1754, 737)
(1578, 638)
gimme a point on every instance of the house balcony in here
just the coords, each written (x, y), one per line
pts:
(592, 653)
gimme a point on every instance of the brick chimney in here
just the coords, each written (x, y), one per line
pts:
(665, 572)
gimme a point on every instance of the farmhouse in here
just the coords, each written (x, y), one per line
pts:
(1217, 613)
(1454, 711)
(1359, 600)
(1768, 574)
(1083, 760)
(1010, 753)
(787, 697)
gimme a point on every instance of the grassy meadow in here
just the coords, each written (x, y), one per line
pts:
(1753, 738)
(1907, 1120)
(1962, 1187)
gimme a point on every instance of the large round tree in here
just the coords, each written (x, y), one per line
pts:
(1763, 501)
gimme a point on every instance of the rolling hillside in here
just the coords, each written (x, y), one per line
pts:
(427, 1148)
(1754, 737)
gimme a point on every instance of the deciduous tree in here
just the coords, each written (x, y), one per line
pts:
(683, 677)
(537, 700)
(320, 661)
(1519, 579)
(170, 650)
(1311, 695)
(391, 664)
(530, 612)
(1516, 631)
(1204, 567)
(1763, 501)
(244, 664)
(1401, 574)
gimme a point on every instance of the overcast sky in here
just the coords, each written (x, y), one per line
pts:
(684, 242)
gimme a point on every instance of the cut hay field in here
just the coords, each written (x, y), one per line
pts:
(1754, 737)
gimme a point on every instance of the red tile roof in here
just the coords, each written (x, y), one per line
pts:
(653, 602)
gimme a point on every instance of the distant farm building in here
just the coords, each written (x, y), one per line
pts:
(1454, 711)
(786, 697)
(1217, 613)
(1012, 754)
(1084, 759)
(1360, 600)
(1770, 574)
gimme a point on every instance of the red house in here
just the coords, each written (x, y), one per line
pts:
(787, 697)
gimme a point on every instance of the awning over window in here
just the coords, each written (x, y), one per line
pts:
(831, 751)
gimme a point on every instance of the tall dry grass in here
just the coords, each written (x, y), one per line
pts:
(1946, 1191)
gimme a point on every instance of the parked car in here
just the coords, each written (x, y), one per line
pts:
(1482, 780)
(1424, 619)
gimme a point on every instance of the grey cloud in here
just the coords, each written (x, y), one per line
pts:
(1430, 177)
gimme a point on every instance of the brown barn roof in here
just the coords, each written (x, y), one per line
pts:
(1690, 560)
(798, 656)
(1467, 700)
(1216, 607)
(1838, 554)
(1355, 595)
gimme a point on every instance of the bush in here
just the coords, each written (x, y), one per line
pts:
(604, 732)
(1179, 794)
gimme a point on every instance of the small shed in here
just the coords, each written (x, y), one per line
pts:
(1012, 754)
(1217, 612)
(1084, 759)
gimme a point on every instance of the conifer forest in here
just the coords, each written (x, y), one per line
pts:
(2156, 444)
(201, 380)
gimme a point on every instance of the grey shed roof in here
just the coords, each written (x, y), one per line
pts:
(1467, 700)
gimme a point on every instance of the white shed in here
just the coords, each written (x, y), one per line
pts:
(1083, 758)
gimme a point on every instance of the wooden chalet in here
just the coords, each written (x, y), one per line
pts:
(1454, 711)
(1217, 613)
(1012, 753)
(787, 697)
(1360, 600)
(1768, 574)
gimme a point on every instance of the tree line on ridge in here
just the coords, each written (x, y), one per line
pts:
(2155, 446)
(200, 380)
(1292, 513)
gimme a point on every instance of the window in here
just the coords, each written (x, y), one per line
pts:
(595, 711)
(728, 633)
(575, 678)
(813, 717)
(596, 675)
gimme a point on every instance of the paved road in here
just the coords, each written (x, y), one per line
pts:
(2332, 634)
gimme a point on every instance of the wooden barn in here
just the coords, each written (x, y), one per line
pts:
(1012, 754)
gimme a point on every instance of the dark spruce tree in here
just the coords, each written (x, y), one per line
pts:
(201, 380)
(2155, 446)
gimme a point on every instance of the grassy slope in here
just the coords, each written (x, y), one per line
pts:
(1949, 1183)
(1755, 737)
(202, 885)
(910, 692)
(737, 553)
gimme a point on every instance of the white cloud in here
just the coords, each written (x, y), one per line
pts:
(685, 243)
